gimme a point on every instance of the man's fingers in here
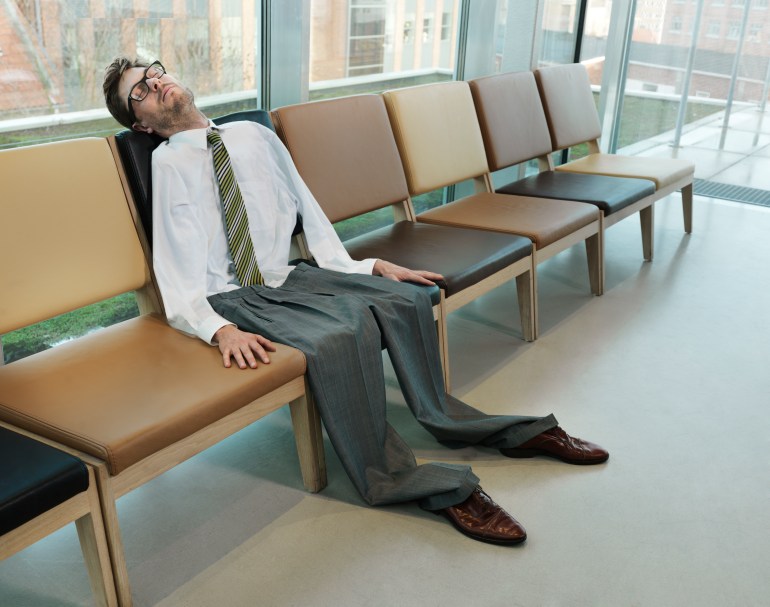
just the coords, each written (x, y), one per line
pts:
(266, 343)
(421, 280)
(256, 348)
(239, 359)
(422, 277)
(430, 275)
(249, 357)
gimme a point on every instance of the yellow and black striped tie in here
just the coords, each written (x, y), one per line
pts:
(237, 223)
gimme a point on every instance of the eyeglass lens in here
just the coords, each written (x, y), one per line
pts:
(141, 89)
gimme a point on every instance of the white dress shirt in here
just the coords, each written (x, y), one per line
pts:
(190, 251)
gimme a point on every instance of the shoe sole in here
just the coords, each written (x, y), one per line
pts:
(486, 540)
(529, 453)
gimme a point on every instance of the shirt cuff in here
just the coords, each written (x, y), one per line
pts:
(365, 266)
(210, 326)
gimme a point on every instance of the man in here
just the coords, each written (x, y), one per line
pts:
(225, 200)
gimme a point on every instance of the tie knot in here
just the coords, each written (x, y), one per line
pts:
(213, 136)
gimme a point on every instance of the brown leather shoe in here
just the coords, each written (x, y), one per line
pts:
(480, 518)
(560, 445)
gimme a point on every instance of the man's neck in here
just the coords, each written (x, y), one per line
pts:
(193, 120)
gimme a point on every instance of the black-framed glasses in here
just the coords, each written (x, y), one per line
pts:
(140, 90)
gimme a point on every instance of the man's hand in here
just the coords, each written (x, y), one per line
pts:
(400, 274)
(242, 347)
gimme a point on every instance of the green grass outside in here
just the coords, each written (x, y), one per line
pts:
(350, 228)
(48, 333)
(642, 119)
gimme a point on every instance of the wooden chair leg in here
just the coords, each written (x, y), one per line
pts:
(687, 207)
(112, 531)
(647, 221)
(595, 254)
(96, 552)
(309, 439)
(527, 295)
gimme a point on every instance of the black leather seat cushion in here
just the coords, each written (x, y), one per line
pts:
(34, 478)
(463, 256)
(136, 150)
(610, 194)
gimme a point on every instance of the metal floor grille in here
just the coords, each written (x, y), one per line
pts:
(737, 193)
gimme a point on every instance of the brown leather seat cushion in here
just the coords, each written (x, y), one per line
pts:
(129, 390)
(610, 194)
(542, 220)
(463, 257)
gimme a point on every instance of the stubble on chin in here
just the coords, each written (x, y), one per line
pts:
(177, 112)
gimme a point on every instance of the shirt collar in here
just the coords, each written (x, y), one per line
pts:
(194, 137)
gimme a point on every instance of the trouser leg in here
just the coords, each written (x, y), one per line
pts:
(403, 313)
(342, 344)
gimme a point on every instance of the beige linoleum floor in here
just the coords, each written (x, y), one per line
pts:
(670, 370)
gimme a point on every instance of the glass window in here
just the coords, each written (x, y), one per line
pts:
(54, 54)
(714, 29)
(559, 31)
(446, 26)
(376, 40)
(366, 50)
(367, 22)
(408, 32)
(733, 30)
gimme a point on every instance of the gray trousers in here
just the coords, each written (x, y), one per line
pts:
(341, 322)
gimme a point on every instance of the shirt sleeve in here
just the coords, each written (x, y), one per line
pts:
(179, 254)
(324, 243)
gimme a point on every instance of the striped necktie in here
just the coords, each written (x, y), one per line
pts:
(237, 223)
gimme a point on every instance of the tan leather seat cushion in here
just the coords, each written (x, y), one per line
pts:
(511, 117)
(345, 151)
(663, 171)
(438, 134)
(129, 390)
(544, 221)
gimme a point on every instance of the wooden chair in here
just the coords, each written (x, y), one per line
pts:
(440, 143)
(43, 489)
(136, 398)
(345, 151)
(565, 91)
(515, 130)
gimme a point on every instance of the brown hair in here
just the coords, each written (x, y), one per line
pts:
(118, 106)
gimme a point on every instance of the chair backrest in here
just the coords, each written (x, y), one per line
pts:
(511, 117)
(438, 134)
(570, 110)
(67, 238)
(345, 151)
(136, 150)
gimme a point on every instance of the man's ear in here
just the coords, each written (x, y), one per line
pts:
(141, 128)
